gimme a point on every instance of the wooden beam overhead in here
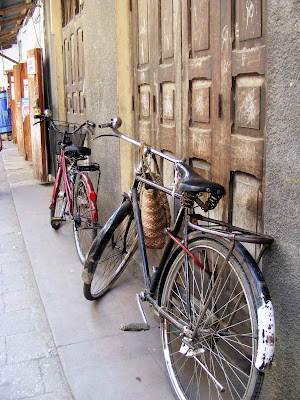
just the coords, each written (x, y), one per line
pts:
(9, 30)
(11, 18)
(16, 8)
(8, 21)
(8, 36)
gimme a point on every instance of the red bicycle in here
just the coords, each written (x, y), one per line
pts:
(73, 191)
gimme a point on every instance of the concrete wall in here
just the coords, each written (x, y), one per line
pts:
(101, 95)
(282, 206)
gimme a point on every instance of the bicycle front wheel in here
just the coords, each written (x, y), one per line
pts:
(84, 226)
(218, 363)
(109, 256)
(57, 213)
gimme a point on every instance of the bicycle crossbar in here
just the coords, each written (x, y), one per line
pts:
(159, 187)
(151, 149)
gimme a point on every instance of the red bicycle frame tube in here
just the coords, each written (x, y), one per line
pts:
(61, 173)
(188, 252)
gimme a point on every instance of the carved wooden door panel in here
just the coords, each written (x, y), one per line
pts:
(167, 85)
(74, 70)
(205, 141)
(248, 76)
(143, 96)
(199, 92)
(156, 39)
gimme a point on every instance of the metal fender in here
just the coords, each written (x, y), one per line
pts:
(93, 203)
(100, 241)
(266, 335)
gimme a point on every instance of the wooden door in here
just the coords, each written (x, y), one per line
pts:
(18, 112)
(248, 54)
(199, 92)
(74, 70)
(36, 106)
(26, 128)
(12, 105)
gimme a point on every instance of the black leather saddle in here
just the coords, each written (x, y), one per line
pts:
(77, 151)
(190, 181)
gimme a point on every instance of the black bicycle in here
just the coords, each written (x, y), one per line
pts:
(217, 319)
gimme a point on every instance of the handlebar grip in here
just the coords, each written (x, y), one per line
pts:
(115, 123)
(38, 116)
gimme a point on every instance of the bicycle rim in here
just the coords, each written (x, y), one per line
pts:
(118, 246)
(223, 351)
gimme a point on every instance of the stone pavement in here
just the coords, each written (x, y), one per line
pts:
(29, 363)
(54, 344)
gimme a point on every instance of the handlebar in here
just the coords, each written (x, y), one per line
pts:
(42, 118)
(116, 122)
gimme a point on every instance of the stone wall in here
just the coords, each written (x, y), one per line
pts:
(282, 206)
(101, 96)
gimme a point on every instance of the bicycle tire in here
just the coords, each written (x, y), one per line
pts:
(57, 214)
(110, 252)
(85, 220)
(228, 352)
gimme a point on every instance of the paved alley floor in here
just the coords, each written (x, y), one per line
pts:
(54, 344)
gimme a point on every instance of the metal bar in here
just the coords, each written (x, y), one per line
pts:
(8, 58)
(139, 228)
(167, 252)
(222, 389)
(187, 251)
(163, 312)
(241, 236)
(135, 142)
(187, 271)
(138, 299)
(159, 187)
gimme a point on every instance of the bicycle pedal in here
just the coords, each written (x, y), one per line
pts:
(135, 327)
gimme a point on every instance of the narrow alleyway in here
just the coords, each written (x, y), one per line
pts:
(54, 344)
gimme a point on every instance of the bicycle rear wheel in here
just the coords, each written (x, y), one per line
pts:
(84, 226)
(223, 351)
(110, 254)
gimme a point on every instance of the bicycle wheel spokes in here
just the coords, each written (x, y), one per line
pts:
(221, 354)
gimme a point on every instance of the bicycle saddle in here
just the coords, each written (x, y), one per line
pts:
(190, 181)
(77, 150)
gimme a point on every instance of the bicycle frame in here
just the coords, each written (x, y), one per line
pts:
(62, 173)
